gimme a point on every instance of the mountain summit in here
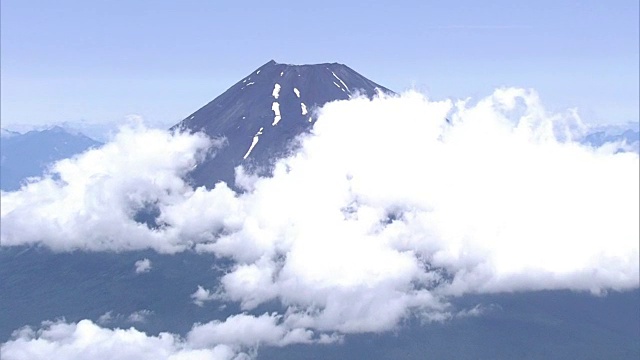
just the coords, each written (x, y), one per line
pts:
(263, 112)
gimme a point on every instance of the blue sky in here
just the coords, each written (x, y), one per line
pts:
(102, 60)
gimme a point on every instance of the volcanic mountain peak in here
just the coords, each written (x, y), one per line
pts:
(263, 112)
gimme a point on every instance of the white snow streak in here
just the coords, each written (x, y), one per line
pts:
(295, 90)
(257, 72)
(281, 73)
(253, 143)
(342, 82)
(304, 108)
(276, 91)
(336, 84)
(276, 111)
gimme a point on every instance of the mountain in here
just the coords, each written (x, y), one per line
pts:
(263, 112)
(625, 137)
(28, 154)
(5, 133)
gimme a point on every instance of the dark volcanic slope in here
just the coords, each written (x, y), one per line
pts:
(263, 112)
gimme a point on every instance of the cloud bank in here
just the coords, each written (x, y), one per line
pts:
(385, 212)
(90, 202)
(237, 338)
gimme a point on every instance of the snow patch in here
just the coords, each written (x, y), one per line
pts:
(295, 90)
(276, 111)
(257, 72)
(304, 108)
(342, 82)
(281, 73)
(336, 84)
(276, 91)
(253, 142)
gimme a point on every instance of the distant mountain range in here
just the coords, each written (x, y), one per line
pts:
(626, 138)
(29, 154)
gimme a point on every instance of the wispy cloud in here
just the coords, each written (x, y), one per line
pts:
(139, 316)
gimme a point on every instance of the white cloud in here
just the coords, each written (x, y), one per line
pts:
(86, 340)
(106, 318)
(89, 202)
(139, 316)
(143, 266)
(386, 211)
(247, 331)
(202, 295)
(236, 338)
(478, 310)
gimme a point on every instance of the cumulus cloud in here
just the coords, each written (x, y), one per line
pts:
(202, 295)
(246, 330)
(386, 211)
(143, 266)
(91, 201)
(236, 338)
(86, 340)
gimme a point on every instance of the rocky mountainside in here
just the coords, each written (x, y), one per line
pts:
(263, 112)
